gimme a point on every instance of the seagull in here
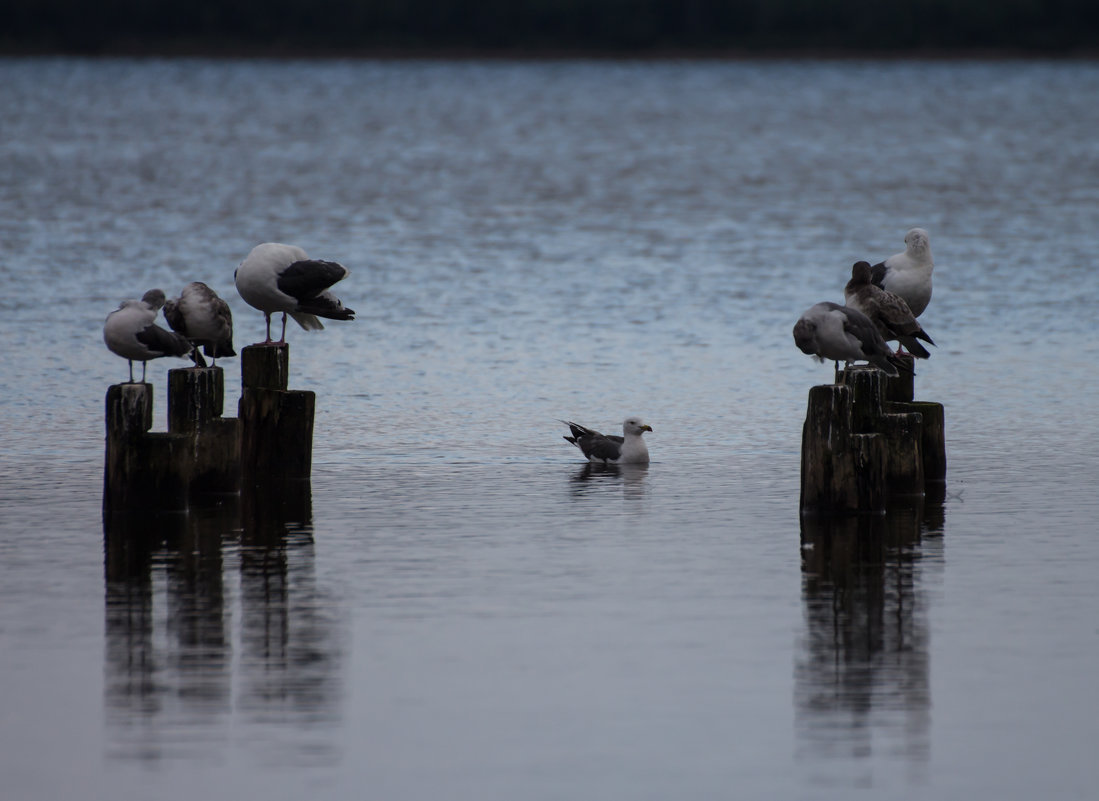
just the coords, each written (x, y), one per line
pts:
(830, 331)
(610, 448)
(204, 318)
(908, 274)
(281, 278)
(888, 311)
(131, 332)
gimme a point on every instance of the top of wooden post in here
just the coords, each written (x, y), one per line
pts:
(129, 409)
(195, 397)
(265, 366)
(892, 388)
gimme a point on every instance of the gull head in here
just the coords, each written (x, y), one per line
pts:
(860, 272)
(805, 336)
(634, 426)
(917, 242)
(154, 299)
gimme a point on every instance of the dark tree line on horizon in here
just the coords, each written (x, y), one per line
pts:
(557, 26)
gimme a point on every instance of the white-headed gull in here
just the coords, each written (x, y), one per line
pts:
(908, 274)
(610, 448)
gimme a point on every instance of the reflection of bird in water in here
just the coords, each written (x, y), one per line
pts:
(131, 332)
(630, 448)
(204, 318)
(595, 477)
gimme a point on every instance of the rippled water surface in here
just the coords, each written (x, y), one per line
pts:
(456, 607)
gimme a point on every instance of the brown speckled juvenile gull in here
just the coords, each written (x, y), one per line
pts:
(204, 318)
(888, 311)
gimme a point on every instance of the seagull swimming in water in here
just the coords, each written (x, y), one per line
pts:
(888, 311)
(282, 278)
(204, 318)
(599, 448)
(840, 333)
(131, 332)
(908, 274)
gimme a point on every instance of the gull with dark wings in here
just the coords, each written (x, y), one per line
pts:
(830, 331)
(599, 448)
(131, 332)
(282, 278)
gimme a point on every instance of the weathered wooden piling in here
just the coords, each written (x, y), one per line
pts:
(865, 439)
(276, 423)
(200, 452)
(270, 444)
(196, 397)
(143, 470)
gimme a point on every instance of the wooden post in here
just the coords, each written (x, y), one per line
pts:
(840, 471)
(142, 470)
(932, 438)
(900, 433)
(857, 446)
(276, 423)
(195, 401)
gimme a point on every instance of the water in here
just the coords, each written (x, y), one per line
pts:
(458, 608)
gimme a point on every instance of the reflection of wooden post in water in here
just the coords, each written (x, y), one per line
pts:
(863, 670)
(866, 440)
(165, 576)
(276, 423)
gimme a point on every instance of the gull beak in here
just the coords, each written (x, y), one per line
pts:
(646, 428)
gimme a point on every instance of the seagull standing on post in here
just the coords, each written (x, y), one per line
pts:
(282, 278)
(888, 311)
(204, 318)
(131, 332)
(908, 274)
(830, 331)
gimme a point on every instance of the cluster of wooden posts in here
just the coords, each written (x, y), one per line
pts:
(865, 439)
(269, 443)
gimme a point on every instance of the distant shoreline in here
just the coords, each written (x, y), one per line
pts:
(238, 51)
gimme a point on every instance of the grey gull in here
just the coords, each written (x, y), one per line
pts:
(830, 331)
(282, 278)
(204, 318)
(131, 332)
(610, 448)
(908, 274)
(887, 310)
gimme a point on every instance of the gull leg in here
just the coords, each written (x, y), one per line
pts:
(143, 366)
(267, 321)
(131, 363)
(282, 338)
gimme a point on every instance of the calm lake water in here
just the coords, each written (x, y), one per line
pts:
(456, 608)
